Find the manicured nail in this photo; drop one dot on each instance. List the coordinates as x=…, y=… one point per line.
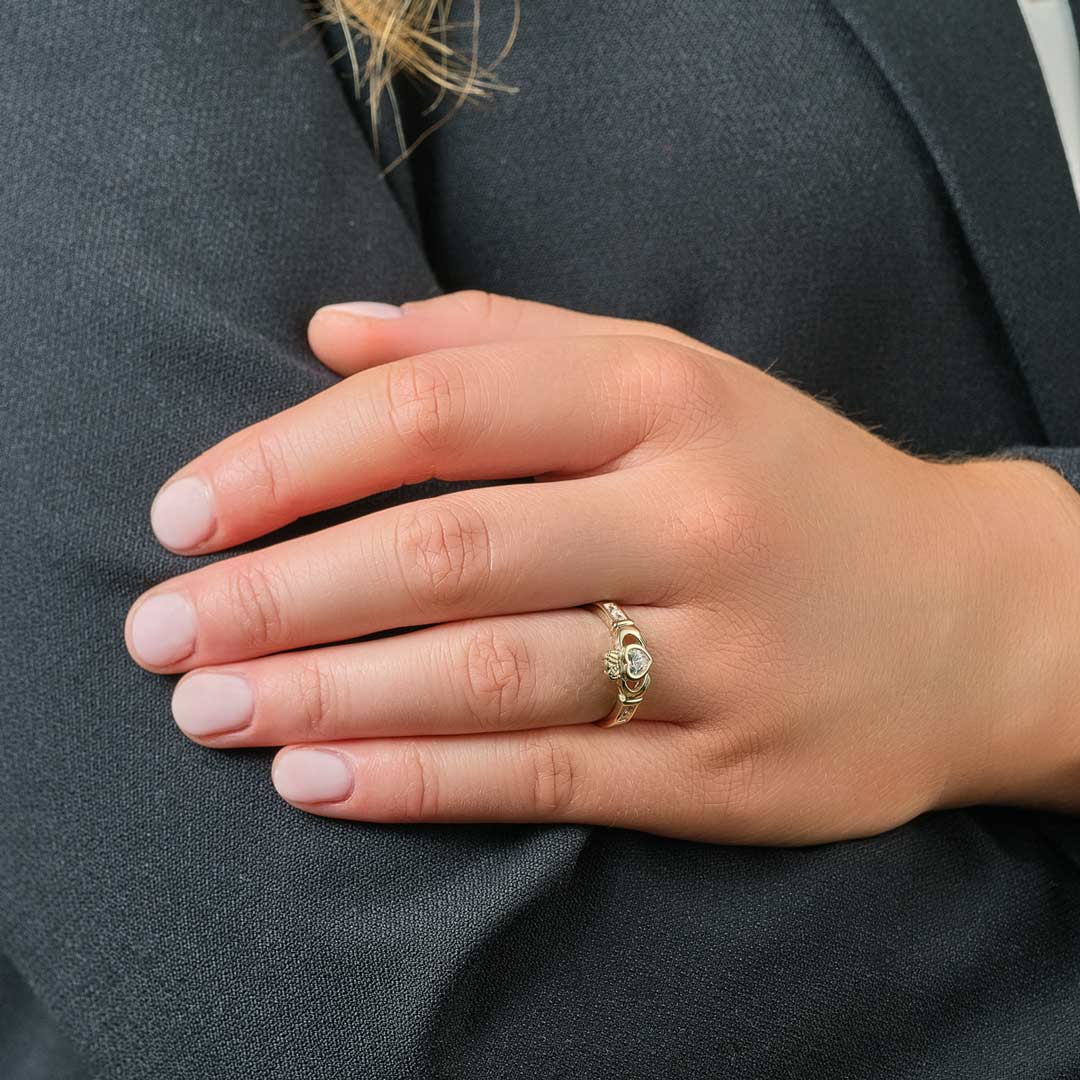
x=312, y=776
x=183, y=514
x=365, y=310
x=211, y=704
x=163, y=629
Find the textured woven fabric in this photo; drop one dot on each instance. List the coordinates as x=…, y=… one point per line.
x=180, y=185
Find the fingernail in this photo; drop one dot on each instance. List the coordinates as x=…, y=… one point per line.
x=163, y=629
x=211, y=704
x=183, y=514
x=312, y=776
x=365, y=309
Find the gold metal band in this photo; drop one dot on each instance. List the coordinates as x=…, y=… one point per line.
x=627, y=663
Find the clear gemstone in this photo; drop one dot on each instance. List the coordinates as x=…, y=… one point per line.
x=637, y=661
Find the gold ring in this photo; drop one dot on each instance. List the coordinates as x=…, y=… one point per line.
x=627, y=663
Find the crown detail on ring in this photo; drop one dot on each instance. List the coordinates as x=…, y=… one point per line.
x=613, y=664
x=631, y=662
x=628, y=663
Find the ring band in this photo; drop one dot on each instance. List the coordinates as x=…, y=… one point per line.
x=627, y=663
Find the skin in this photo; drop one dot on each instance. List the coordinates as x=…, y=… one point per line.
x=844, y=635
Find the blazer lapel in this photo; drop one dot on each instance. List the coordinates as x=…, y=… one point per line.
x=967, y=76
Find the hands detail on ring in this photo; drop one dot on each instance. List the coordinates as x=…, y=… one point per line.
x=831, y=656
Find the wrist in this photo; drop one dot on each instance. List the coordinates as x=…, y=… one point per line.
x=1019, y=542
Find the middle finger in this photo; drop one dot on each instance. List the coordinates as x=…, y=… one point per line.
x=489, y=551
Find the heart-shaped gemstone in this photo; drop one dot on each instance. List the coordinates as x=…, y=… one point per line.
x=638, y=661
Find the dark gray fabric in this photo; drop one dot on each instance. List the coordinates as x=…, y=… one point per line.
x=31, y=1045
x=179, y=187
x=964, y=79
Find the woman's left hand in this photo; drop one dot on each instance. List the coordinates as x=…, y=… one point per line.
x=844, y=635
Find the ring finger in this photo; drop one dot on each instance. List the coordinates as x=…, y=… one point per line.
x=484, y=675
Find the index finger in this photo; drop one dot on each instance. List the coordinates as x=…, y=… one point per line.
x=353, y=336
x=487, y=412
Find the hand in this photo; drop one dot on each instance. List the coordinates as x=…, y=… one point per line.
x=844, y=635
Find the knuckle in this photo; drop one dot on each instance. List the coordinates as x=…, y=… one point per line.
x=646, y=328
x=444, y=551
x=669, y=386
x=265, y=462
x=686, y=384
x=555, y=779
x=419, y=791
x=256, y=607
x=734, y=523
x=658, y=332
x=426, y=402
x=732, y=766
x=724, y=528
x=319, y=693
x=478, y=305
x=742, y=530
x=499, y=678
x=664, y=367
